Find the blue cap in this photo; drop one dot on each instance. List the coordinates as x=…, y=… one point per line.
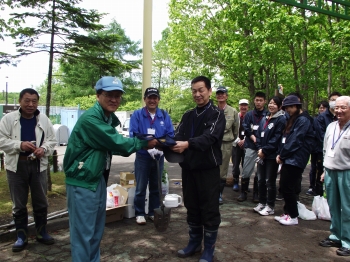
x=109, y=83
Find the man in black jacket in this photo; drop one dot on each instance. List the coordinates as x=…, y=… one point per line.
x=251, y=124
x=199, y=136
x=320, y=125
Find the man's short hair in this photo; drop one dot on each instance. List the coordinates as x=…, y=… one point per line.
x=30, y=91
x=260, y=94
x=335, y=93
x=324, y=103
x=205, y=79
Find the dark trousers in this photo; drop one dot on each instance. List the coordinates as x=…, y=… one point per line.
x=201, y=190
x=312, y=174
x=319, y=171
x=267, y=175
x=237, y=158
x=290, y=181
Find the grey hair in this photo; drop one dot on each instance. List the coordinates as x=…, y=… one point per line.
x=343, y=98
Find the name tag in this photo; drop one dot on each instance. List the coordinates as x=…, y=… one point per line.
x=283, y=140
x=151, y=131
x=330, y=153
x=255, y=127
x=262, y=134
x=242, y=133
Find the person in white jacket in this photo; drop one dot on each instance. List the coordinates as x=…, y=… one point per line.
x=27, y=137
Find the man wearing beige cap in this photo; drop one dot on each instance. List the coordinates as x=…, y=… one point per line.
x=238, y=145
x=230, y=135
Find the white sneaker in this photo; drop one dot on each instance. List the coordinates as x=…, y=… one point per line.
x=283, y=216
x=289, y=221
x=266, y=211
x=259, y=207
x=141, y=220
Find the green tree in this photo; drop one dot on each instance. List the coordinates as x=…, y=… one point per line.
x=66, y=25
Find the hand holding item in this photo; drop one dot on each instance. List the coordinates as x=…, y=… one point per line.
x=180, y=146
x=261, y=154
x=322, y=177
x=241, y=143
x=28, y=146
x=152, y=143
x=278, y=160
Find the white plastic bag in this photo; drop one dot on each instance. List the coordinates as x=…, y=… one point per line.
x=324, y=210
x=321, y=208
x=304, y=213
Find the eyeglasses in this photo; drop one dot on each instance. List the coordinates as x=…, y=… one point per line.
x=111, y=96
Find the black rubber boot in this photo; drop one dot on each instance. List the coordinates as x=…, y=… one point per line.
x=40, y=218
x=222, y=187
x=255, y=190
x=195, y=243
x=244, y=189
x=209, y=245
x=21, y=223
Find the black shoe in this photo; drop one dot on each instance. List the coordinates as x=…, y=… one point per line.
x=329, y=243
x=242, y=197
x=343, y=251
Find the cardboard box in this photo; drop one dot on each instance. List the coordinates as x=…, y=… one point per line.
x=129, y=211
x=127, y=179
x=117, y=213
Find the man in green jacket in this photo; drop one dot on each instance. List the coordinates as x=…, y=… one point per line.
x=87, y=163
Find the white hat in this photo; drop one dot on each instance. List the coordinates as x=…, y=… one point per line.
x=243, y=101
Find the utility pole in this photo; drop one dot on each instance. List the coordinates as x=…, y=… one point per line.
x=6, y=97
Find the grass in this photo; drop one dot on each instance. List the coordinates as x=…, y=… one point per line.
x=58, y=188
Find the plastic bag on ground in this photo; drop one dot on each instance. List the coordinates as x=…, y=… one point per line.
x=304, y=213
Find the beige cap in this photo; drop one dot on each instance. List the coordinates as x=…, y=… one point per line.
x=243, y=101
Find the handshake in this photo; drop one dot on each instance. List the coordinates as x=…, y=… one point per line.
x=153, y=152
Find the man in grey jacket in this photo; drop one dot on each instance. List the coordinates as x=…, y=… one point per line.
x=336, y=149
x=28, y=138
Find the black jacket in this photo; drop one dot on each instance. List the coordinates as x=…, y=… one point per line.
x=298, y=142
x=320, y=125
x=251, y=119
x=273, y=130
x=203, y=128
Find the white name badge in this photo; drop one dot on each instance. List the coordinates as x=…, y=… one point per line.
x=242, y=133
x=262, y=134
x=330, y=153
x=283, y=140
x=151, y=131
x=255, y=127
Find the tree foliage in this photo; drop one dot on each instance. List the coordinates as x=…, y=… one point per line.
x=260, y=44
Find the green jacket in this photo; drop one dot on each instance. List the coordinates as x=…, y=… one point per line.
x=90, y=141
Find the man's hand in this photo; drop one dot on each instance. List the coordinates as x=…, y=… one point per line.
x=152, y=143
x=322, y=177
x=27, y=146
x=261, y=154
x=241, y=143
x=278, y=160
x=39, y=152
x=180, y=146
x=253, y=138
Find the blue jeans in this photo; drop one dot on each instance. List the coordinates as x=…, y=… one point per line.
x=146, y=173
x=87, y=216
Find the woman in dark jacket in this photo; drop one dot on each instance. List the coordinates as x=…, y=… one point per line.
x=268, y=140
x=293, y=155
